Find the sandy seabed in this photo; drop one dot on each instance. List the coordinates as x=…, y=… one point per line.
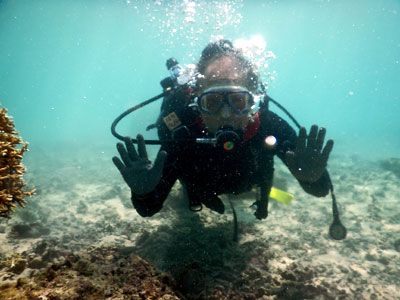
x=80, y=238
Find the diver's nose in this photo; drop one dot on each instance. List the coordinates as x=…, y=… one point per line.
x=226, y=112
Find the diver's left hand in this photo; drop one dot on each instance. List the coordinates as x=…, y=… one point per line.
x=309, y=160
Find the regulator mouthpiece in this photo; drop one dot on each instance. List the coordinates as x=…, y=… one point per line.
x=225, y=138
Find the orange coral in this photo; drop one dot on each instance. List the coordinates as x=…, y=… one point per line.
x=12, y=186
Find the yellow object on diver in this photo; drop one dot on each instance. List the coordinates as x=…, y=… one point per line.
x=281, y=196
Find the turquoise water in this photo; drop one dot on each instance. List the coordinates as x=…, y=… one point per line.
x=68, y=68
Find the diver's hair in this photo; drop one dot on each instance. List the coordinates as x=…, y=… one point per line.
x=221, y=48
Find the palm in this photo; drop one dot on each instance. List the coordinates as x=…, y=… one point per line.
x=309, y=160
x=136, y=169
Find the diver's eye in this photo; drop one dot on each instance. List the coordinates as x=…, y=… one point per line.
x=240, y=101
x=212, y=102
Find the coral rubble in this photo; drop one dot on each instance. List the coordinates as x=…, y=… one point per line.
x=100, y=273
x=119, y=273
x=391, y=164
x=12, y=148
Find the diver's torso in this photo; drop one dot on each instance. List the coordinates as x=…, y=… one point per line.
x=208, y=170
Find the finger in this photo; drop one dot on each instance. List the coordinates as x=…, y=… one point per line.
x=290, y=159
x=118, y=163
x=311, y=140
x=301, y=140
x=327, y=150
x=320, y=138
x=141, y=146
x=130, y=148
x=124, y=155
x=159, y=164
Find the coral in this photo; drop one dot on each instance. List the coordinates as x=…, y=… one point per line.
x=12, y=148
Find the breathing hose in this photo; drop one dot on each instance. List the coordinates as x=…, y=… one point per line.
x=132, y=109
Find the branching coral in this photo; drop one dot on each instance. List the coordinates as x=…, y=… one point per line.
x=12, y=148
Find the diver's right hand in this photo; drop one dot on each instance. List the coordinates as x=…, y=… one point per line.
x=136, y=169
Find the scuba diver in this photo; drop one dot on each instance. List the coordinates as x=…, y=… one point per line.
x=218, y=136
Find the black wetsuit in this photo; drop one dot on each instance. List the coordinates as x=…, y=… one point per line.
x=207, y=171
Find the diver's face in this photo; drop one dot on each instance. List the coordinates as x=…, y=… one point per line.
x=225, y=73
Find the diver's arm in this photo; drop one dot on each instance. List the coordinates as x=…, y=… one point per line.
x=319, y=188
x=287, y=145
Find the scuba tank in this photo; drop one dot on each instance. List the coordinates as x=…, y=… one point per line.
x=171, y=86
x=179, y=76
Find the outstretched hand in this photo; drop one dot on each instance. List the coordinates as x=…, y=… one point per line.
x=309, y=160
x=136, y=169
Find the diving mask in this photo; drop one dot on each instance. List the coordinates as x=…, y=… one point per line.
x=238, y=98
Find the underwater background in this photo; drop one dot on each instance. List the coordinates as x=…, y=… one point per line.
x=69, y=68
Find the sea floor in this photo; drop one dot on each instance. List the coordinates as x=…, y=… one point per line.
x=80, y=238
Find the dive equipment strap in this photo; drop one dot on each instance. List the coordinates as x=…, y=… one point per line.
x=261, y=205
x=235, y=222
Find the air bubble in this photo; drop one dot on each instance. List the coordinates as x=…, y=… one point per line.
x=255, y=50
x=204, y=16
x=189, y=20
